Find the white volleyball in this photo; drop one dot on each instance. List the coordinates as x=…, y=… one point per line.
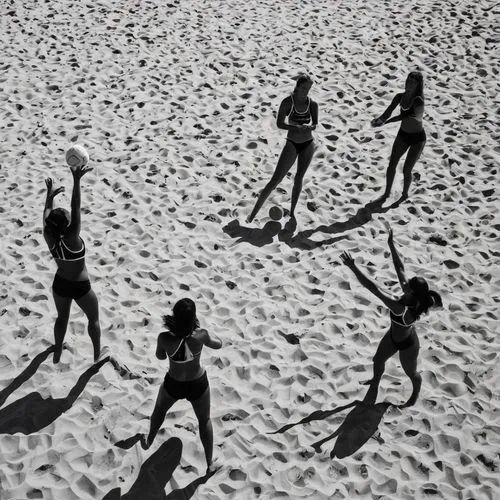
x=77, y=156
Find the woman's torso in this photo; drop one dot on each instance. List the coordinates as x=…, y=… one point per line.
x=402, y=325
x=69, y=255
x=300, y=114
x=184, y=369
x=412, y=115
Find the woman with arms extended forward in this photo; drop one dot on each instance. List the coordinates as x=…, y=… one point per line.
x=71, y=282
x=411, y=135
x=302, y=114
x=186, y=379
x=416, y=300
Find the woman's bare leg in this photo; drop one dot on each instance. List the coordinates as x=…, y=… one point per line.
x=411, y=159
x=285, y=162
x=163, y=403
x=409, y=358
x=399, y=148
x=201, y=407
x=303, y=163
x=386, y=349
x=89, y=305
x=63, y=306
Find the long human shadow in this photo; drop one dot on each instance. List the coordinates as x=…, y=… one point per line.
x=25, y=375
x=154, y=475
x=265, y=236
x=358, y=426
x=361, y=217
x=33, y=413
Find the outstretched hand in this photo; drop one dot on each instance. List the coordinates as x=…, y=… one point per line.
x=347, y=260
x=51, y=192
x=377, y=122
x=79, y=172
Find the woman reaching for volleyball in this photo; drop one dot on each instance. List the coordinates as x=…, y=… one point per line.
x=401, y=337
x=302, y=114
x=71, y=282
x=411, y=136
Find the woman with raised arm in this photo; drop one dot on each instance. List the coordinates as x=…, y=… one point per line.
x=185, y=379
x=416, y=300
x=71, y=282
x=302, y=114
x=411, y=135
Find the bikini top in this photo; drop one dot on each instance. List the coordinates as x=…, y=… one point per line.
x=185, y=355
x=399, y=319
x=298, y=118
x=61, y=251
x=415, y=111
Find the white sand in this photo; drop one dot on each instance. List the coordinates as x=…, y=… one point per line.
x=176, y=105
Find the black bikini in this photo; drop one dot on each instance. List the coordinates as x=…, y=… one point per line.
x=297, y=118
x=408, y=341
x=185, y=389
x=61, y=286
x=412, y=138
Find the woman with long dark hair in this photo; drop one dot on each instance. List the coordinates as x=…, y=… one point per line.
x=302, y=114
x=411, y=136
x=71, y=282
x=401, y=337
x=185, y=379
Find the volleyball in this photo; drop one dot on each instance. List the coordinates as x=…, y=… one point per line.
x=77, y=156
x=275, y=213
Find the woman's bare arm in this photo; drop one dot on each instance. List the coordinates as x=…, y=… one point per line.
x=391, y=303
x=283, y=112
x=398, y=263
x=384, y=117
x=211, y=341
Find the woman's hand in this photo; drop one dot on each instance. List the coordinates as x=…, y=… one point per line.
x=348, y=260
x=52, y=193
x=377, y=122
x=79, y=172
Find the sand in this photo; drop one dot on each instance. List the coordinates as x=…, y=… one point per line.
x=175, y=103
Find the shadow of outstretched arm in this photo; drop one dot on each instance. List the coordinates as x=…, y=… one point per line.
x=358, y=426
x=28, y=372
x=33, y=413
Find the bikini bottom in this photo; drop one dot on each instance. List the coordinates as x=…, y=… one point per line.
x=300, y=146
x=186, y=389
x=70, y=289
x=407, y=342
x=411, y=139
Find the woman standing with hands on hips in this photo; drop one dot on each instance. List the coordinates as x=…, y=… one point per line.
x=71, y=282
x=411, y=135
x=302, y=113
x=416, y=300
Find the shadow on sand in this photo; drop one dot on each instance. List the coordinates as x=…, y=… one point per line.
x=361, y=217
x=265, y=236
x=155, y=473
x=27, y=373
x=32, y=413
x=358, y=426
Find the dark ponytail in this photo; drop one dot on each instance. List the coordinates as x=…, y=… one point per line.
x=425, y=298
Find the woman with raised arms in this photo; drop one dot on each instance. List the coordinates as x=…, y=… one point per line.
x=401, y=337
x=71, y=282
